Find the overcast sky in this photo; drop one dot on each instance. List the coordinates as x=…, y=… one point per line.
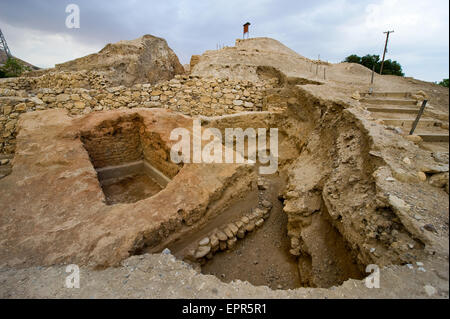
x=35, y=29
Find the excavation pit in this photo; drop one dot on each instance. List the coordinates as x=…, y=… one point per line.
x=131, y=182
x=131, y=163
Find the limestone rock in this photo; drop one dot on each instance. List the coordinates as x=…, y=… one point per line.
x=62, y=98
x=416, y=139
x=214, y=241
x=439, y=180
x=259, y=222
x=228, y=232
x=441, y=157
x=79, y=105
x=21, y=107
x=231, y=242
x=433, y=169
x=356, y=96
x=204, y=242
x=202, y=251
x=250, y=227
x=223, y=245
x=221, y=235
x=245, y=219
x=422, y=176
x=233, y=228
x=266, y=204
x=407, y=161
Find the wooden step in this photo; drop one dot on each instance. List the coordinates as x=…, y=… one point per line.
x=435, y=146
x=389, y=101
x=433, y=137
x=404, y=110
x=423, y=123
x=395, y=95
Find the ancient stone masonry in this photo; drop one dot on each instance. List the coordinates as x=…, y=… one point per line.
x=82, y=92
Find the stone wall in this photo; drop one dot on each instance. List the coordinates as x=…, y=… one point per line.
x=113, y=144
x=84, y=92
x=56, y=80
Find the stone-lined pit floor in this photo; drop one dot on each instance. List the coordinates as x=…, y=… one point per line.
x=262, y=257
x=129, y=189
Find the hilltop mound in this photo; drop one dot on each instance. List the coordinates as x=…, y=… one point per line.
x=147, y=59
x=242, y=60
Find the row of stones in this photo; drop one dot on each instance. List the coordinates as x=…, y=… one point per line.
x=226, y=237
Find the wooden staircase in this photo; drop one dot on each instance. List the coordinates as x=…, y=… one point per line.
x=400, y=110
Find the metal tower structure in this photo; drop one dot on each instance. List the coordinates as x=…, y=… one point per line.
x=4, y=45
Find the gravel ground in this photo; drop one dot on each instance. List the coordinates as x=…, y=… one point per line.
x=162, y=276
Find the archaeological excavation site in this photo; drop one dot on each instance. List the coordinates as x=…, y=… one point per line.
x=88, y=177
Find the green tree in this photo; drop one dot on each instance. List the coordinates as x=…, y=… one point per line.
x=353, y=59
x=12, y=68
x=390, y=67
x=369, y=60
x=444, y=82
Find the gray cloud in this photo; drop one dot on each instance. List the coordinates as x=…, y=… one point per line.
x=36, y=29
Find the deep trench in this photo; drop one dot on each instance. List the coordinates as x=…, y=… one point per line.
x=262, y=257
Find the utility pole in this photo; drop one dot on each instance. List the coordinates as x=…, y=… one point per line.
x=385, y=49
x=4, y=45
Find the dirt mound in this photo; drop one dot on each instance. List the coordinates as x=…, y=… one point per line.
x=147, y=59
x=241, y=61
